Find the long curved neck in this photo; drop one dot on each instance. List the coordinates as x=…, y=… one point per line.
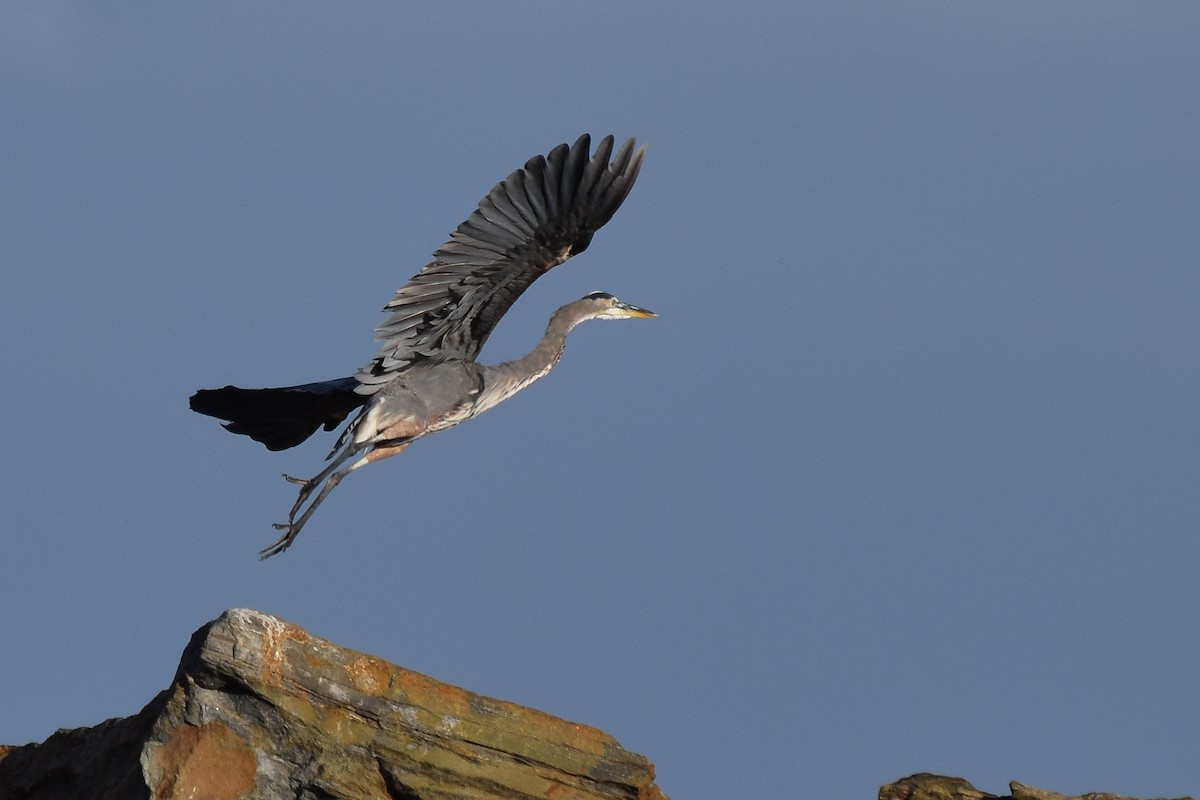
x=502, y=381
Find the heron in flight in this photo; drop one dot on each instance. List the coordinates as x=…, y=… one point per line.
x=424, y=377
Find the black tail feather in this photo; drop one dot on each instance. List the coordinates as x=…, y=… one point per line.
x=284, y=417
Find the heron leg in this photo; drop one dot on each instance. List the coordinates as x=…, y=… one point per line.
x=291, y=528
x=308, y=486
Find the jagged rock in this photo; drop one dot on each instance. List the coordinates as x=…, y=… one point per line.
x=926, y=786
x=260, y=709
x=1022, y=792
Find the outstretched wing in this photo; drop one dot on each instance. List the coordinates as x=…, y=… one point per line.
x=532, y=221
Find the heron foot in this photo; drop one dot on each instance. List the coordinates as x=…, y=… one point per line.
x=290, y=531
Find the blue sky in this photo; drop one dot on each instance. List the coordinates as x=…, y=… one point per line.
x=903, y=478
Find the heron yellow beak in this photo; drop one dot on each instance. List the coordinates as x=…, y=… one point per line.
x=635, y=312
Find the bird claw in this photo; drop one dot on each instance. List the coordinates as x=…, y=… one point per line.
x=291, y=528
x=282, y=543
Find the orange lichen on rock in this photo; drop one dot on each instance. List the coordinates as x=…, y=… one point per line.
x=370, y=675
x=208, y=761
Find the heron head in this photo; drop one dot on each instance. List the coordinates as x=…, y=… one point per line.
x=602, y=305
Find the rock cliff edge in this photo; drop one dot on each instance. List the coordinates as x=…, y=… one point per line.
x=259, y=708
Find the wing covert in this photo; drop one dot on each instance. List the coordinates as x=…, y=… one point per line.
x=529, y=223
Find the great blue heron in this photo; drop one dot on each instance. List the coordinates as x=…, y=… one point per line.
x=424, y=378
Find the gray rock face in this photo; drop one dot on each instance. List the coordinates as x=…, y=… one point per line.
x=261, y=709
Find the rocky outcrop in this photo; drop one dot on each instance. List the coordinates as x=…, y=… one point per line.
x=925, y=786
x=261, y=709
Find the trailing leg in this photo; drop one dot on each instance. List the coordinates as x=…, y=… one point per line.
x=308, y=486
x=330, y=478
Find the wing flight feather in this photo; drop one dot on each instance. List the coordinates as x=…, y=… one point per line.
x=533, y=220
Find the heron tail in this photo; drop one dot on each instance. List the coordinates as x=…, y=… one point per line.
x=284, y=417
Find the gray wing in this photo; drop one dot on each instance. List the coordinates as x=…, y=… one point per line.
x=532, y=221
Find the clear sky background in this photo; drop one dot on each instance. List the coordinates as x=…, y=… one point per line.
x=903, y=478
